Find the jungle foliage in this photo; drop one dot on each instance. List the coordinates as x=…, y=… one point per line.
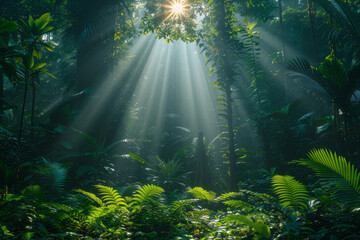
x=286, y=169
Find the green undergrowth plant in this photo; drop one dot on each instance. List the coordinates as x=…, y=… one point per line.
x=333, y=203
x=143, y=212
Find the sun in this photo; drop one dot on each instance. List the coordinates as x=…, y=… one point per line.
x=176, y=9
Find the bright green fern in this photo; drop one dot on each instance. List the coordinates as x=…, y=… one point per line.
x=340, y=178
x=290, y=192
x=202, y=194
x=146, y=193
x=110, y=196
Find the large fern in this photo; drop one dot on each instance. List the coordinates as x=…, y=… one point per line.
x=341, y=178
x=202, y=194
x=110, y=196
x=290, y=192
x=146, y=193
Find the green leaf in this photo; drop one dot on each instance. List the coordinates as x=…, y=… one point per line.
x=139, y=159
x=7, y=26
x=31, y=22
x=49, y=47
x=91, y=139
x=49, y=74
x=42, y=21
x=262, y=229
x=6, y=232
x=36, y=54
x=38, y=66
x=46, y=29
x=28, y=62
x=27, y=236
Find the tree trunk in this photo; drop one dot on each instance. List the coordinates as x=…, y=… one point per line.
x=1, y=94
x=202, y=178
x=227, y=80
x=232, y=155
x=32, y=121
x=312, y=15
x=283, y=50
x=21, y=126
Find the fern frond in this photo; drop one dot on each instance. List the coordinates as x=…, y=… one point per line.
x=202, y=194
x=180, y=206
x=55, y=175
x=58, y=206
x=236, y=204
x=290, y=192
x=91, y=196
x=228, y=195
x=110, y=196
x=340, y=176
x=96, y=214
x=147, y=192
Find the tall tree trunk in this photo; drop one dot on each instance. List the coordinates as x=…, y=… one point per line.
x=312, y=18
x=232, y=155
x=35, y=80
x=1, y=94
x=202, y=178
x=283, y=51
x=227, y=75
x=21, y=125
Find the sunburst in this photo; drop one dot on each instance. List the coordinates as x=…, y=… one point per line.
x=176, y=9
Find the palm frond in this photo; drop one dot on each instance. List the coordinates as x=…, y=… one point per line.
x=290, y=192
x=340, y=177
x=202, y=194
x=332, y=69
x=346, y=17
x=147, y=192
x=110, y=196
x=303, y=67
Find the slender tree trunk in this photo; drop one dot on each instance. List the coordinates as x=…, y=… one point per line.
x=232, y=155
x=1, y=94
x=202, y=178
x=283, y=51
x=227, y=74
x=312, y=18
x=21, y=126
x=35, y=80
